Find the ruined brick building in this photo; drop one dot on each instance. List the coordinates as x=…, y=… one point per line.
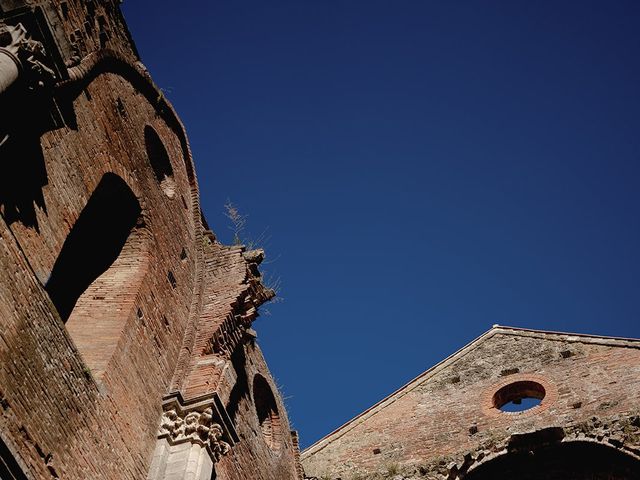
x=126, y=346
x=513, y=404
x=126, y=341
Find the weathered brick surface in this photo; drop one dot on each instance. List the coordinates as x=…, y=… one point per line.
x=84, y=400
x=252, y=457
x=448, y=412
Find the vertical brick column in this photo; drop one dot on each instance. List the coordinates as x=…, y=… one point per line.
x=296, y=449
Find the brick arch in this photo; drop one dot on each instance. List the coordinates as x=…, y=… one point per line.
x=117, y=169
x=134, y=72
x=111, y=61
x=566, y=460
x=166, y=125
x=100, y=268
x=267, y=412
x=160, y=161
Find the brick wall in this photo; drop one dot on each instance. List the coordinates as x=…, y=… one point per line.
x=255, y=457
x=84, y=400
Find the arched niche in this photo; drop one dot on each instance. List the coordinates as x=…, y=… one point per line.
x=99, y=270
x=576, y=460
x=267, y=412
x=160, y=161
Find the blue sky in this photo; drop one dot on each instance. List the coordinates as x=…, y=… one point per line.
x=422, y=170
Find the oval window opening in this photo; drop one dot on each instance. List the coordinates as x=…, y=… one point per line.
x=519, y=396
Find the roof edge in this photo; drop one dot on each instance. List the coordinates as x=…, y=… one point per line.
x=570, y=334
x=495, y=329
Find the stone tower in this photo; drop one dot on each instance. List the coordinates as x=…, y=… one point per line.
x=126, y=347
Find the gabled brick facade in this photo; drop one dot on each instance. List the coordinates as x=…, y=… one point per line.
x=448, y=422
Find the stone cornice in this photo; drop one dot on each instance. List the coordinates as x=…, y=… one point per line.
x=237, y=325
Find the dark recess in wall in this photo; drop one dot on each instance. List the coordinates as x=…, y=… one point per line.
x=94, y=243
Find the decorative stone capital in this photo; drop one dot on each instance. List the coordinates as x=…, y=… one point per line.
x=195, y=427
x=29, y=55
x=203, y=422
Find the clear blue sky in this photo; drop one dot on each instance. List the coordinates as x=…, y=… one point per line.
x=425, y=169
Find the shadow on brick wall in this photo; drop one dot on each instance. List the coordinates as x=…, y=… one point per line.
x=23, y=172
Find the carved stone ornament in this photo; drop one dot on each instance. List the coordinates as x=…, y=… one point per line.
x=203, y=421
x=28, y=54
x=195, y=427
